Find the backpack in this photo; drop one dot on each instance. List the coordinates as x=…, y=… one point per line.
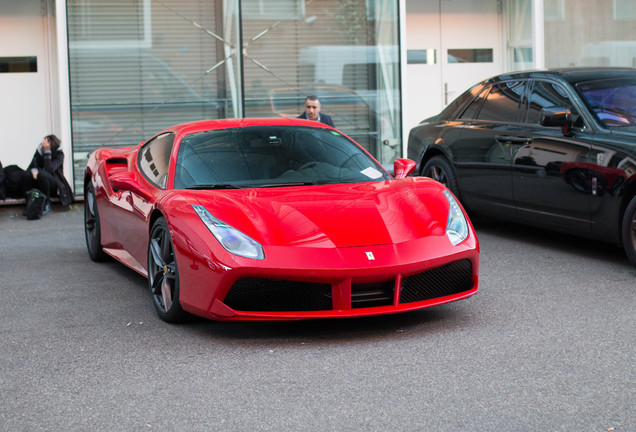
x=35, y=201
x=12, y=178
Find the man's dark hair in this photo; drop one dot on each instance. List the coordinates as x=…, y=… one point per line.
x=54, y=141
x=312, y=98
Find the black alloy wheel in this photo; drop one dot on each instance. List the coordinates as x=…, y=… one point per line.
x=92, y=229
x=163, y=274
x=438, y=168
x=628, y=231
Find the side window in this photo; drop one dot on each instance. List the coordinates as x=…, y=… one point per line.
x=154, y=159
x=473, y=108
x=547, y=94
x=503, y=102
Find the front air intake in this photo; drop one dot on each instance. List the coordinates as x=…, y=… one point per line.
x=274, y=295
x=443, y=281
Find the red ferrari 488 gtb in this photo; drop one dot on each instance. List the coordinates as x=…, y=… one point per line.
x=276, y=219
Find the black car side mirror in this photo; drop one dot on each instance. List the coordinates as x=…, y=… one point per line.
x=558, y=116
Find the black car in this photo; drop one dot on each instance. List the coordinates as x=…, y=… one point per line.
x=554, y=148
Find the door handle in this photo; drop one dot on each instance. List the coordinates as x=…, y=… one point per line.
x=445, y=93
x=511, y=139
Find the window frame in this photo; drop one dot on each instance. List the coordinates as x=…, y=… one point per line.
x=144, y=41
x=571, y=99
x=483, y=96
x=166, y=153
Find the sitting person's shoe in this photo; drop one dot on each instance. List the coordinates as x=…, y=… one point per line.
x=47, y=208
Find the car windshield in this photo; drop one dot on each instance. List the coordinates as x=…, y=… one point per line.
x=613, y=101
x=271, y=156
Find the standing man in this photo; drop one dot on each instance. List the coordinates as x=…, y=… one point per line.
x=312, y=111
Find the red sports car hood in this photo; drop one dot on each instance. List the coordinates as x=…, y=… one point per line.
x=365, y=214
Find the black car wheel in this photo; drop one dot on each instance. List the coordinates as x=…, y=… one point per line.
x=163, y=274
x=92, y=228
x=629, y=231
x=438, y=168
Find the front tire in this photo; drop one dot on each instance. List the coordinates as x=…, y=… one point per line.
x=92, y=227
x=628, y=231
x=163, y=274
x=438, y=168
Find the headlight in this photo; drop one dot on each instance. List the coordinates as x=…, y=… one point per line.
x=457, y=227
x=230, y=238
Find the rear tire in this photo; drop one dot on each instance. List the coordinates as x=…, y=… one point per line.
x=92, y=227
x=628, y=231
x=438, y=168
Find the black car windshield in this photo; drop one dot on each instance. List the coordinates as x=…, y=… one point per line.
x=613, y=101
x=271, y=156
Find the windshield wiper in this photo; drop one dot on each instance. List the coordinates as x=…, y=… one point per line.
x=214, y=186
x=299, y=183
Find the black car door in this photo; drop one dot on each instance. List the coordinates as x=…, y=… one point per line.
x=483, y=153
x=549, y=170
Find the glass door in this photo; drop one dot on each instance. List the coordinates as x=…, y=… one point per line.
x=345, y=53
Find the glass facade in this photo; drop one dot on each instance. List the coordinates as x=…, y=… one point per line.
x=590, y=33
x=138, y=66
x=518, y=26
x=575, y=33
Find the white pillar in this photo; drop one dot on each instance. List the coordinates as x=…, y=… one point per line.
x=402, y=32
x=538, y=34
x=63, y=90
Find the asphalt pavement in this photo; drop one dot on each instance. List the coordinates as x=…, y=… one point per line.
x=547, y=344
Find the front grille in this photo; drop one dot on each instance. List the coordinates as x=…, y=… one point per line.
x=447, y=280
x=272, y=295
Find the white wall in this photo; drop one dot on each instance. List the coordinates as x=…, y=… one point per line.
x=24, y=113
x=30, y=107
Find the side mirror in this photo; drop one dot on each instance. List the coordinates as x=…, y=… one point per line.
x=557, y=116
x=127, y=181
x=403, y=167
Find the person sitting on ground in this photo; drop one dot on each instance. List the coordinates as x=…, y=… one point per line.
x=312, y=111
x=45, y=172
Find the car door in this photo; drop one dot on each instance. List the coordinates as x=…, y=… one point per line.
x=550, y=170
x=153, y=164
x=483, y=153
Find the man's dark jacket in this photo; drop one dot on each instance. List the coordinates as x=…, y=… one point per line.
x=52, y=162
x=322, y=118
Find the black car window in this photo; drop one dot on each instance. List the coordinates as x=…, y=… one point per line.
x=154, y=159
x=613, y=101
x=548, y=94
x=503, y=102
x=473, y=108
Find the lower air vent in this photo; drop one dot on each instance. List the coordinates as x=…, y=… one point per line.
x=450, y=279
x=271, y=295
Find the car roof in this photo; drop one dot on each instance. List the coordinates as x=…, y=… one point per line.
x=571, y=75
